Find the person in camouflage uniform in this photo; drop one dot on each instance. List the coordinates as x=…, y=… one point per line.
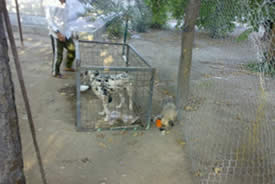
x=60, y=37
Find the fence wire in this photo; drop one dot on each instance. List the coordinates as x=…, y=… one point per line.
x=111, y=59
x=229, y=120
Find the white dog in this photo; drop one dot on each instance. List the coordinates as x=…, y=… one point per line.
x=168, y=115
x=105, y=86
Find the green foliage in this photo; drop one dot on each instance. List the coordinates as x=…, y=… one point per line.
x=115, y=28
x=264, y=67
x=177, y=7
x=244, y=35
x=217, y=17
x=257, y=12
x=159, y=10
x=140, y=16
x=140, y=24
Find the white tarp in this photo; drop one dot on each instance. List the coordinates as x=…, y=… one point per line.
x=76, y=21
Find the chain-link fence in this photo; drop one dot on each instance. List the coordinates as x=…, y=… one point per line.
x=229, y=120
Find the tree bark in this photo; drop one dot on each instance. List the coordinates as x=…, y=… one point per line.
x=271, y=50
x=184, y=71
x=11, y=161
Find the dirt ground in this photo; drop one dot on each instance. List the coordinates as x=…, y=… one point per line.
x=131, y=157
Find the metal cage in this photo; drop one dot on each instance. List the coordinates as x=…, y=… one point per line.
x=109, y=58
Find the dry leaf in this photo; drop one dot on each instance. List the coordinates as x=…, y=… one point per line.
x=108, y=60
x=103, y=53
x=100, y=136
x=238, y=117
x=218, y=103
x=207, y=76
x=188, y=108
x=102, y=145
x=99, y=11
x=217, y=170
x=110, y=140
x=181, y=142
x=123, y=132
x=165, y=92
x=138, y=134
x=90, y=37
x=198, y=173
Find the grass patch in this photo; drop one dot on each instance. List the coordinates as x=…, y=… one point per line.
x=266, y=68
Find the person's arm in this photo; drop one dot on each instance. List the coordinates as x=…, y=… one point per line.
x=49, y=17
x=52, y=26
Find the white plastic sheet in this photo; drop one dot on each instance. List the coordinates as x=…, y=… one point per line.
x=76, y=21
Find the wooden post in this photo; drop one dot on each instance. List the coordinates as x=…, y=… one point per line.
x=23, y=89
x=184, y=71
x=11, y=160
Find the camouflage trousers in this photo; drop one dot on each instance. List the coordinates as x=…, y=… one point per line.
x=58, y=48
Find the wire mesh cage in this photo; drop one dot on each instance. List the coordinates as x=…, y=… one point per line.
x=119, y=87
x=229, y=126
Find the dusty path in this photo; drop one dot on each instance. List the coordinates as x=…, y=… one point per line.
x=230, y=116
x=127, y=157
x=71, y=157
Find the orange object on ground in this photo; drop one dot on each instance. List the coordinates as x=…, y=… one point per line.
x=158, y=123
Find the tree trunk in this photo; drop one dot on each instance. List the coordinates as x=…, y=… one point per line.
x=11, y=162
x=271, y=49
x=192, y=12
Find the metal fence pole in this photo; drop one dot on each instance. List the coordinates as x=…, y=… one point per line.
x=19, y=23
x=78, y=62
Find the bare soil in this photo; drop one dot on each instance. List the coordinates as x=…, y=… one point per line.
x=130, y=157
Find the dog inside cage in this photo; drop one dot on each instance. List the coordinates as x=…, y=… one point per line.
x=115, y=88
x=111, y=88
